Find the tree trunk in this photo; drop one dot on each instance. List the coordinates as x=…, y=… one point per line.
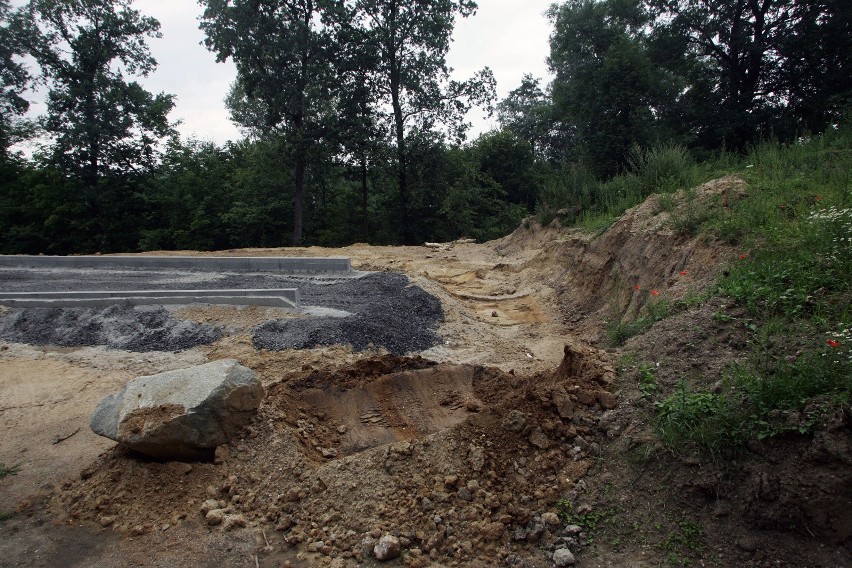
x=298, y=195
x=364, y=199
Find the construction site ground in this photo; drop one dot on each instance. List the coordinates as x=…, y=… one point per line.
x=516, y=433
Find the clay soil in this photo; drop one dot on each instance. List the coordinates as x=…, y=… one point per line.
x=522, y=433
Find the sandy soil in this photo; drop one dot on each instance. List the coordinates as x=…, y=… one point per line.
x=465, y=454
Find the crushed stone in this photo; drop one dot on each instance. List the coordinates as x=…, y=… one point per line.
x=363, y=310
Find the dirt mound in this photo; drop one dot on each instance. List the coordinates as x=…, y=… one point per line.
x=609, y=276
x=459, y=461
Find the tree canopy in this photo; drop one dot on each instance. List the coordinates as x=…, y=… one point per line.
x=355, y=128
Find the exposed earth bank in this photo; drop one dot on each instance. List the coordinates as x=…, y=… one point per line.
x=508, y=441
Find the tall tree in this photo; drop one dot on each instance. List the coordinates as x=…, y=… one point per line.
x=14, y=78
x=412, y=38
x=772, y=60
x=281, y=50
x=606, y=85
x=527, y=113
x=102, y=124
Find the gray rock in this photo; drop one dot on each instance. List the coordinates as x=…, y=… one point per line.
x=563, y=557
x=515, y=421
x=387, y=548
x=181, y=414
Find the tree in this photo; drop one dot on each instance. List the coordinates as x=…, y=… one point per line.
x=102, y=124
x=412, y=38
x=527, y=113
x=283, y=60
x=777, y=64
x=14, y=79
x=606, y=85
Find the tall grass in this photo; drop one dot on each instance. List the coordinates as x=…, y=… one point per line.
x=577, y=196
x=792, y=272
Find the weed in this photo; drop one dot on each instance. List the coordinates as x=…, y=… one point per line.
x=588, y=520
x=711, y=422
x=648, y=385
x=8, y=470
x=6, y=516
x=683, y=541
x=620, y=331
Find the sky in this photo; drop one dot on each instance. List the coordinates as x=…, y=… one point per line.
x=509, y=36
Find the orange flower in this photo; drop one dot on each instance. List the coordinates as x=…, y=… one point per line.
x=817, y=198
x=742, y=257
x=833, y=343
x=683, y=272
x=655, y=293
x=637, y=288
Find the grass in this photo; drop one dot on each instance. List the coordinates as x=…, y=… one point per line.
x=8, y=470
x=793, y=275
x=620, y=330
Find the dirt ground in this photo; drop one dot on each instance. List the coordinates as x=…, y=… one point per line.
x=514, y=438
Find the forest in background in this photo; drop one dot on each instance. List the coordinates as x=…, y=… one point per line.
x=355, y=132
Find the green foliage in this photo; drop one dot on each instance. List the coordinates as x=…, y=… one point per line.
x=8, y=470
x=619, y=330
x=711, y=422
x=648, y=385
x=589, y=520
x=104, y=128
x=14, y=80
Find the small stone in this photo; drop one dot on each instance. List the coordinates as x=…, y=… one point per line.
x=572, y=530
x=606, y=400
x=515, y=421
x=328, y=453
x=476, y=457
x=564, y=405
x=426, y=504
x=221, y=455
x=342, y=429
x=563, y=557
x=465, y=494
x=747, y=544
x=234, y=521
x=539, y=439
x=551, y=519
x=209, y=505
x=137, y=530
x=472, y=405
x=215, y=517
x=387, y=548
x=494, y=314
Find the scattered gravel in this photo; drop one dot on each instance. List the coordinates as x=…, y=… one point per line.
x=120, y=326
x=382, y=310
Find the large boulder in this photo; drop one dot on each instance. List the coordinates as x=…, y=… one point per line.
x=181, y=414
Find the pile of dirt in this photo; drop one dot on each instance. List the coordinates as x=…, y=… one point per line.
x=609, y=276
x=459, y=462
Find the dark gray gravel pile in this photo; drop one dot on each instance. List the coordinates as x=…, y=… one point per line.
x=120, y=326
x=386, y=311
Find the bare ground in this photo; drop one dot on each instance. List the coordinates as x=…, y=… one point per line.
x=464, y=451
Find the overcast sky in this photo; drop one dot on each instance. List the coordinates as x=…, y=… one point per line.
x=510, y=36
